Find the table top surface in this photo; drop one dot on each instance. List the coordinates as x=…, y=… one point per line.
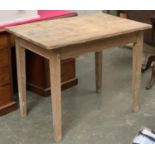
x=59, y=33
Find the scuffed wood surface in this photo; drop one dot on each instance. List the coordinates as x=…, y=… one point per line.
x=63, y=32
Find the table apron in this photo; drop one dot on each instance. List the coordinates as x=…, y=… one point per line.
x=76, y=50
x=96, y=45
x=34, y=48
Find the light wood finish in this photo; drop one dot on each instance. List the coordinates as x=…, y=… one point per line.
x=73, y=37
x=75, y=30
x=55, y=76
x=96, y=45
x=21, y=74
x=36, y=49
x=136, y=74
x=98, y=70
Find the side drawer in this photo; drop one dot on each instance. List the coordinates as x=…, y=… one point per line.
x=5, y=94
x=4, y=57
x=4, y=75
x=67, y=69
x=4, y=40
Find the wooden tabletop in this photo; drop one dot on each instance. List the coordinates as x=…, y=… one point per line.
x=58, y=33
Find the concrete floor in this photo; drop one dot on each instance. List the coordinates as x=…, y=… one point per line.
x=88, y=117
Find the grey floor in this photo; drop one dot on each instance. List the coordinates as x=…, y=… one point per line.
x=88, y=117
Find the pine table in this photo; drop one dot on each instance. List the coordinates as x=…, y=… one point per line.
x=71, y=37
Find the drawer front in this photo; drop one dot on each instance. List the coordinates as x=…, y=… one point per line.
x=4, y=57
x=5, y=94
x=4, y=40
x=4, y=76
x=12, y=38
x=67, y=69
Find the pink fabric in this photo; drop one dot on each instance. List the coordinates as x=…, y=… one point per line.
x=44, y=15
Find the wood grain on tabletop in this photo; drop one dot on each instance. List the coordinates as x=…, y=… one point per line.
x=62, y=32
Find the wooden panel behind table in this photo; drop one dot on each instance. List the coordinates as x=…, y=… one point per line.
x=38, y=74
x=7, y=103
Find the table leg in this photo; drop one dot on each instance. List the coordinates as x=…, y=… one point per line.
x=55, y=78
x=136, y=75
x=21, y=73
x=98, y=70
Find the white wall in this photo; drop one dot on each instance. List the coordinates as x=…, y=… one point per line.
x=9, y=16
